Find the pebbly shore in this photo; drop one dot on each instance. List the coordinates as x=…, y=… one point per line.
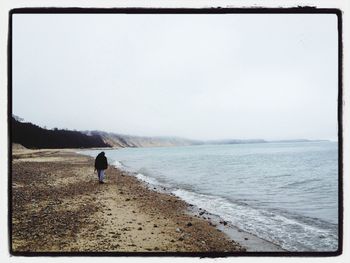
x=59, y=206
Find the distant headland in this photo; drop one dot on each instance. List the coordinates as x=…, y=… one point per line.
x=35, y=137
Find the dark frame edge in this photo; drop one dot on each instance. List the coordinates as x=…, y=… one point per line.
x=213, y=10
x=9, y=128
x=338, y=13
x=177, y=254
x=151, y=10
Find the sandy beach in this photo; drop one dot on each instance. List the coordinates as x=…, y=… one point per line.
x=59, y=206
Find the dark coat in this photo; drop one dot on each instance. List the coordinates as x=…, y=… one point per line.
x=101, y=162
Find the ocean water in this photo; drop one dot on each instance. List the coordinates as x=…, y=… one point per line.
x=285, y=193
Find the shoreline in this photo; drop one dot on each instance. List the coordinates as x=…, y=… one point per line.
x=58, y=206
x=250, y=242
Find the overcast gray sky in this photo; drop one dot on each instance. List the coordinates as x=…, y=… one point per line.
x=233, y=76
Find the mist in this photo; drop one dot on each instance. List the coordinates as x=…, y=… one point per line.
x=233, y=76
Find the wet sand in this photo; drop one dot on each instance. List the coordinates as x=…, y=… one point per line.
x=59, y=206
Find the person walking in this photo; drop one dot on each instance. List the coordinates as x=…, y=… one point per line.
x=101, y=165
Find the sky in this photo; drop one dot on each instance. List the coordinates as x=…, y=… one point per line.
x=233, y=76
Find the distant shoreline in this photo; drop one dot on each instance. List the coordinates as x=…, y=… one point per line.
x=204, y=144
x=208, y=144
x=35, y=137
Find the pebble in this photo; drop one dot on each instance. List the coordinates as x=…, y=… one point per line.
x=223, y=222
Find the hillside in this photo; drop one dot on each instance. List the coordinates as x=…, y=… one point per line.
x=34, y=137
x=118, y=140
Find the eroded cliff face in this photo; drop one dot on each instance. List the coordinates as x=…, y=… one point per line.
x=116, y=140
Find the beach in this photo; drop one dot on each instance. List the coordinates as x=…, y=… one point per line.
x=59, y=206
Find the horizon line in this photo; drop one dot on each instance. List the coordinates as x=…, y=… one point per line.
x=17, y=118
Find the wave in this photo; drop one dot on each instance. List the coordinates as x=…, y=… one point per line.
x=119, y=165
x=289, y=232
x=283, y=230
x=148, y=179
x=298, y=183
x=278, y=175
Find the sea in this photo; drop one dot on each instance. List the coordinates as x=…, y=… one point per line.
x=284, y=193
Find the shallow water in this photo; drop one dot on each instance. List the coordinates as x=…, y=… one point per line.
x=286, y=193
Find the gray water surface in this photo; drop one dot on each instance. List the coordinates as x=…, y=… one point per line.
x=286, y=193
